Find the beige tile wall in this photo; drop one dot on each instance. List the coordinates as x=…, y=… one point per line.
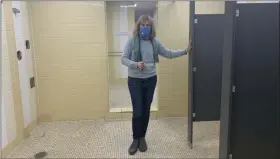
x=71, y=59
x=8, y=123
x=25, y=66
x=173, y=32
x=14, y=130
x=71, y=56
x=34, y=97
x=209, y=7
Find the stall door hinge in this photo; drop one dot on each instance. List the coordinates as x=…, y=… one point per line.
x=230, y=156
x=194, y=69
x=237, y=13
x=193, y=115
x=32, y=82
x=233, y=88
x=195, y=21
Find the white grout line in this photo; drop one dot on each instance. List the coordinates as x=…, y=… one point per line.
x=128, y=109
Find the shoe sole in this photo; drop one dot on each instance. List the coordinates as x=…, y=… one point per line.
x=132, y=153
x=143, y=150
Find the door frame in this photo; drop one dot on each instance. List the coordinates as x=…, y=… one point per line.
x=227, y=77
x=190, y=75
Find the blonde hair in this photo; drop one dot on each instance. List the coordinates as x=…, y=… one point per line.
x=142, y=19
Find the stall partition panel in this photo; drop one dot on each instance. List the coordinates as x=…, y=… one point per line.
x=255, y=119
x=207, y=66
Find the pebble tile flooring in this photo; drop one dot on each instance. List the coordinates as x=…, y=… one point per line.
x=167, y=138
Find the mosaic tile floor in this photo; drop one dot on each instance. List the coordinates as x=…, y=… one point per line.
x=167, y=138
x=120, y=97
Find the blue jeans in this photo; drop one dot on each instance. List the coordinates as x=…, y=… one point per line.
x=141, y=93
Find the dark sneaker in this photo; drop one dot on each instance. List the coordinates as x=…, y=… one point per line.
x=142, y=145
x=133, y=147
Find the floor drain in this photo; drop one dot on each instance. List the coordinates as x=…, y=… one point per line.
x=40, y=155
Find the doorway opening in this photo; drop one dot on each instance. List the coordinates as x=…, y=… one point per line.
x=121, y=18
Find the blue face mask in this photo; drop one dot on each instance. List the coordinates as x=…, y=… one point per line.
x=145, y=31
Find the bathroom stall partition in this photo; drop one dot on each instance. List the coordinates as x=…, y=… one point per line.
x=250, y=83
x=205, y=68
x=239, y=83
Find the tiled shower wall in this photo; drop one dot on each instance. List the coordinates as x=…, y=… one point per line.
x=8, y=122
x=13, y=129
x=25, y=65
x=12, y=126
x=71, y=59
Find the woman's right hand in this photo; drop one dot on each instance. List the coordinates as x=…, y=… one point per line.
x=140, y=65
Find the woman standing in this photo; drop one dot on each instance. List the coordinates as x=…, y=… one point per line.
x=140, y=56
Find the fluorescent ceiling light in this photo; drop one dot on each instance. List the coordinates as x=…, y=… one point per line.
x=129, y=6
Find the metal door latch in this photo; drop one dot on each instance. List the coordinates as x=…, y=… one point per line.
x=237, y=13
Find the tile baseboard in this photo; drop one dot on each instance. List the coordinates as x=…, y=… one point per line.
x=129, y=109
